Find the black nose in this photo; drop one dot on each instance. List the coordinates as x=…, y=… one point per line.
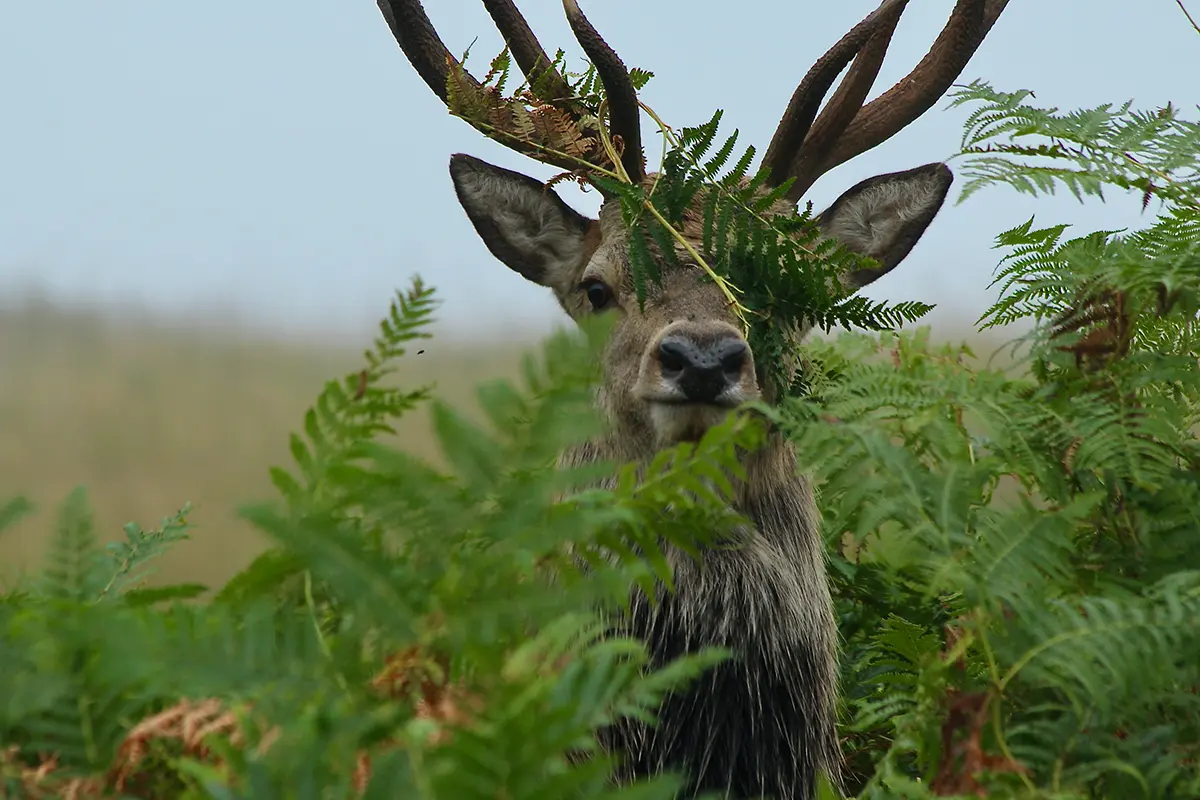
x=702, y=372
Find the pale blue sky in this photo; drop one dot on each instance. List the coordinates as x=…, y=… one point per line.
x=284, y=160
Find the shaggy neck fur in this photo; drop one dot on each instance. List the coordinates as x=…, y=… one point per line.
x=761, y=723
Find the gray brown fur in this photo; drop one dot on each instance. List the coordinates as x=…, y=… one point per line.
x=763, y=723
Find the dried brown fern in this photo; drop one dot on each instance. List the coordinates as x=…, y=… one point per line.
x=190, y=727
x=1106, y=321
x=563, y=133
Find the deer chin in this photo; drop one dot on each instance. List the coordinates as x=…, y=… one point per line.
x=675, y=422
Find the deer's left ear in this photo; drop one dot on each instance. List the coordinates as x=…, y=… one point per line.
x=884, y=216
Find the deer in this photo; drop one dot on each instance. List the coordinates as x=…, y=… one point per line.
x=763, y=722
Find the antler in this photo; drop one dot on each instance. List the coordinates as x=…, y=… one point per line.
x=806, y=146
x=623, y=112
x=438, y=67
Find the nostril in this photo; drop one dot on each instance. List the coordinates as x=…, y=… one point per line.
x=672, y=357
x=733, y=356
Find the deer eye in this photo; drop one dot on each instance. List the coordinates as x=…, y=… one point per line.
x=598, y=293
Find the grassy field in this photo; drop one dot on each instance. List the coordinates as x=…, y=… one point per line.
x=147, y=417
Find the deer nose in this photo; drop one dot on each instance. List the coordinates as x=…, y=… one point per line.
x=702, y=372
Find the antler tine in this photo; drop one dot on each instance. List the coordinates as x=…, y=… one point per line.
x=843, y=105
x=912, y=96
x=527, y=51
x=434, y=63
x=421, y=43
x=802, y=109
x=623, y=111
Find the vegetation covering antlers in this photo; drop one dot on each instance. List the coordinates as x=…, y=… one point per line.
x=742, y=230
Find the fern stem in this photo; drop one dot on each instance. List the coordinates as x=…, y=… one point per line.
x=1002, y=741
x=997, y=701
x=722, y=283
x=716, y=185
x=584, y=163
x=88, y=728
x=311, y=604
x=610, y=150
x=1052, y=642
x=1163, y=176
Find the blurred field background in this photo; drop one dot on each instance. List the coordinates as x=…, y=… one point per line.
x=148, y=415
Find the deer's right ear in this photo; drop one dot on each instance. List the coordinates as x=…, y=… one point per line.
x=524, y=223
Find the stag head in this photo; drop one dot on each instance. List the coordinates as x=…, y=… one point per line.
x=678, y=362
